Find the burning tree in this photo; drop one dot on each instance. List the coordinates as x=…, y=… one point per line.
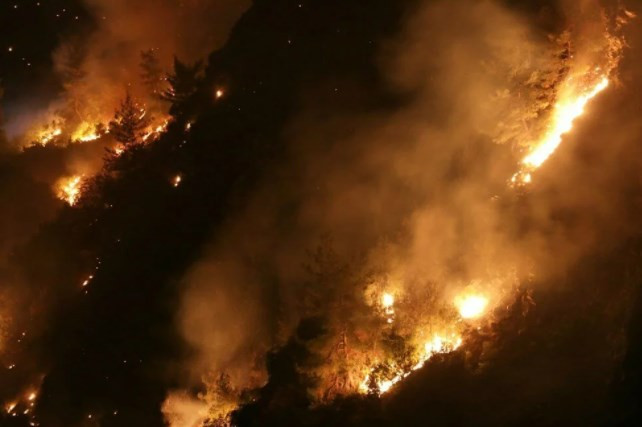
x=129, y=123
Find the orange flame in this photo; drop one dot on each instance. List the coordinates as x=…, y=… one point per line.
x=567, y=110
x=69, y=189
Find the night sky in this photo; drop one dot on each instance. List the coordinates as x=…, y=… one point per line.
x=301, y=213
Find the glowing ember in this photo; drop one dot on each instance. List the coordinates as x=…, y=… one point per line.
x=69, y=189
x=219, y=93
x=11, y=406
x=177, y=180
x=87, y=280
x=566, y=111
x=471, y=306
x=32, y=396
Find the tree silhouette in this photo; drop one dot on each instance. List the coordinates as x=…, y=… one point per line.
x=129, y=122
x=151, y=72
x=183, y=83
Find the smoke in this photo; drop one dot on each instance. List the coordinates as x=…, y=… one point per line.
x=421, y=191
x=99, y=69
x=181, y=410
x=96, y=68
x=223, y=296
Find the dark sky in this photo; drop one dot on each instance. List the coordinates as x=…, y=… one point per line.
x=31, y=30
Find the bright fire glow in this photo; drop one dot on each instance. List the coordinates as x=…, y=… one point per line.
x=567, y=110
x=155, y=132
x=387, y=300
x=177, y=180
x=47, y=135
x=219, y=93
x=471, y=306
x=11, y=406
x=85, y=133
x=438, y=345
x=69, y=189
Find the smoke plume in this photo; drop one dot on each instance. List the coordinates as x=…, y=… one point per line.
x=419, y=194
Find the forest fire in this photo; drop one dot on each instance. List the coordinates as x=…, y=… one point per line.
x=383, y=376
x=387, y=302
x=87, y=132
x=438, y=344
x=319, y=222
x=471, y=306
x=155, y=131
x=569, y=107
x=68, y=189
x=47, y=135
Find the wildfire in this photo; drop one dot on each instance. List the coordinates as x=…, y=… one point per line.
x=11, y=406
x=387, y=303
x=47, y=135
x=87, y=132
x=437, y=345
x=155, y=132
x=69, y=189
x=566, y=111
x=24, y=404
x=471, y=306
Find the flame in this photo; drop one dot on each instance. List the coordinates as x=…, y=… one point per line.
x=566, y=111
x=219, y=93
x=387, y=301
x=86, y=132
x=47, y=135
x=471, y=306
x=442, y=345
x=177, y=180
x=437, y=345
x=155, y=132
x=69, y=189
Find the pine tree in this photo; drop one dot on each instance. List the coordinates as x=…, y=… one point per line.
x=151, y=72
x=129, y=122
x=183, y=83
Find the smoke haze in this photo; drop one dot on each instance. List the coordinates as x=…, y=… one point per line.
x=421, y=192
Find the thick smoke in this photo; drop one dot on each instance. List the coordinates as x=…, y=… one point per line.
x=421, y=193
